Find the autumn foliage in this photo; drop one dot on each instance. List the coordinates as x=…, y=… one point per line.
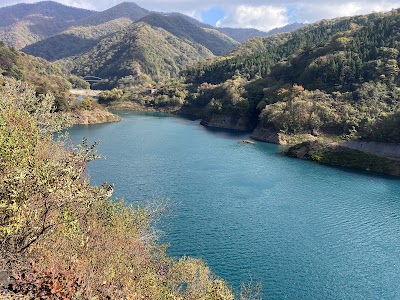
x=62, y=238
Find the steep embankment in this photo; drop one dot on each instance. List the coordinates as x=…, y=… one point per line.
x=226, y=122
x=343, y=156
x=88, y=111
x=95, y=116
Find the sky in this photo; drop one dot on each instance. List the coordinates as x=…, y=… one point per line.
x=261, y=14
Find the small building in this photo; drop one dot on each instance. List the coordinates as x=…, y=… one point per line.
x=152, y=91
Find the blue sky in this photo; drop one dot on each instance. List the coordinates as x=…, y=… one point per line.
x=213, y=15
x=261, y=14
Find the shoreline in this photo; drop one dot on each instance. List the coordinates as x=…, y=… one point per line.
x=376, y=153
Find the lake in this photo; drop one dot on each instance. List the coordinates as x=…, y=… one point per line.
x=304, y=231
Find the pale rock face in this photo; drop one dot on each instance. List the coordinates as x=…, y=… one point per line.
x=381, y=149
x=96, y=116
x=225, y=122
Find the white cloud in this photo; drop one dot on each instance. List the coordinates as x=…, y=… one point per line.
x=263, y=17
x=309, y=12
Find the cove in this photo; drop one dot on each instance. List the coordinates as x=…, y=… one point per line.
x=303, y=230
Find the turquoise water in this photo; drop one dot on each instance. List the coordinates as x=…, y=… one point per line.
x=303, y=230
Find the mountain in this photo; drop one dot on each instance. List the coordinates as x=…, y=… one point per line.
x=140, y=49
x=79, y=39
x=24, y=24
x=287, y=28
x=172, y=43
x=336, y=77
x=127, y=10
x=183, y=28
x=241, y=34
x=257, y=55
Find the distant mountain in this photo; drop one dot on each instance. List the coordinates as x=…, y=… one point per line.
x=183, y=28
x=79, y=40
x=127, y=10
x=241, y=34
x=89, y=34
x=24, y=24
x=140, y=49
x=287, y=28
x=177, y=41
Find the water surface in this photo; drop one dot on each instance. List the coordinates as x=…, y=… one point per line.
x=303, y=230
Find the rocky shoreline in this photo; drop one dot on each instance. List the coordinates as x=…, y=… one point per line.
x=340, y=155
x=364, y=155
x=133, y=106
x=225, y=122
x=356, y=154
x=95, y=116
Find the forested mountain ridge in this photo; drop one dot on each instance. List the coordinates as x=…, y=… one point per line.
x=84, y=37
x=24, y=24
x=140, y=53
x=129, y=10
x=84, y=34
x=256, y=56
x=79, y=39
x=336, y=77
x=182, y=28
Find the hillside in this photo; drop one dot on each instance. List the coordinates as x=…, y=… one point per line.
x=128, y=10
x=44, y=76
x=24, y=24
x=256, y=56
x=83, y=38
x=79, y=39
x=62, y=238
x=139, y=52
x=179, y=26
x=335, y=77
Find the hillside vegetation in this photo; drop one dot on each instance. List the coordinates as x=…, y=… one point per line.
x=335, y=77
x=60, y=237
x=179, y=26
x=24, y=24
x=47, y=78
x=142, y=53
x=80, y=40
x=128, y=10
x=51, y=81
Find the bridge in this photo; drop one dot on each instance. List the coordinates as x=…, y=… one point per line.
x=92, y=79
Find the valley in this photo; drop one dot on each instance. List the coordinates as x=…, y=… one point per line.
x=235, y=128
